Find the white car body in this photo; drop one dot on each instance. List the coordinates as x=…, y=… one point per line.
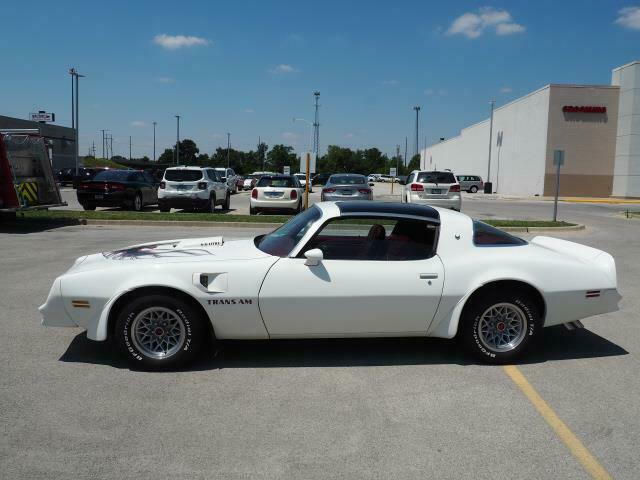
x=302, y=178
x=276, y=197
x=433, y=194
x=250, y=294
x=229, y=177
x=183, y=194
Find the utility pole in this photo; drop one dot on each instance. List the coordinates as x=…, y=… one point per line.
x=73, y=107
x=488, y=186
x=260, y=152
x=103, y=144
x=178, y=140
x=417, y=109
x=129, y=147
x=316, y=127
x=228, y=147
x=406, y=145
x=397, y=159
x=93, y=148
x=154, y=141
x=111, y=145
x=75, y=75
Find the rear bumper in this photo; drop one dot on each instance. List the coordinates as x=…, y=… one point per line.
x=454, y=202
x=275, y=204
x=332, y=197
x=183, y=202
x=109, y=199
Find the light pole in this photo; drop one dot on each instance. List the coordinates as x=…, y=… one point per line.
x=316, y=126
x=488, y=187
x=178, y=140
x=417, y=109
x=154, y=141
x=74, y=74
x=311, y=129
x=228, y=147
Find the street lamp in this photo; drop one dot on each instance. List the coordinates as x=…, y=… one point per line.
x=228, y=148
x=75, y=75
x=178, y=140
x=417, y=109
x=311, y=125
x=154, y=141
x=488, y=186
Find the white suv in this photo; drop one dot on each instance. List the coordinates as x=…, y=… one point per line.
x=228, y=176
x=438, y=189
x=192, y=188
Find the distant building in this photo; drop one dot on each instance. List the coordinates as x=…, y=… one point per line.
x=598, y=127
x=62, y=140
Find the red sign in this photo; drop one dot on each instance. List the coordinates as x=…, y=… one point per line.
x=583, y=109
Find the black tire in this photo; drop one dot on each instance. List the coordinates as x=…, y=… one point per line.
x=137, y=203
x=227, y=202
x=473, y=189
x=88, y=206
x=211, y=206
x=477, y=329
x=165, y=208
x=180, y=316
x=299, y=207
x=253, y=211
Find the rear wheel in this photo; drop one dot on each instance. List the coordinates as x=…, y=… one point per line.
x=473, y=189
x=227, y=201
x=157, y=332
x=498, y=327
x=137, y=202
x=253, y=211
x=211, y=206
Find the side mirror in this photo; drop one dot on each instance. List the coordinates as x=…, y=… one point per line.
x=313, y=257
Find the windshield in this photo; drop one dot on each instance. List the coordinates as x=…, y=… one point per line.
x=183, y=175
x=280, y=242
x=346, y=180
x=286, y=182
x=110, y=175
x=436, y=177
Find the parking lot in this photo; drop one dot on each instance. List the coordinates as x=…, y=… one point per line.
x=387, y=408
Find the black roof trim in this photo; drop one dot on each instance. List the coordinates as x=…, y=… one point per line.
x=389, y=208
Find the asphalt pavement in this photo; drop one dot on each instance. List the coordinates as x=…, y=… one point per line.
x=384, y=408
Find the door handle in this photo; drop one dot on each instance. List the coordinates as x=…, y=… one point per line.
x=428, y=276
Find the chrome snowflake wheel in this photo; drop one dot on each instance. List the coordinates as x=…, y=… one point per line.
x=502, y=327
x=158, y=332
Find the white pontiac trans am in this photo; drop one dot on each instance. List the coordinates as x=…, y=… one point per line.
x=339, y=269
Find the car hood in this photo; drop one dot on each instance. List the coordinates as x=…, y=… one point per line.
x=172, y=251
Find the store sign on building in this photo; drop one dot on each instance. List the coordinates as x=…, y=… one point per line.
x=583, y=109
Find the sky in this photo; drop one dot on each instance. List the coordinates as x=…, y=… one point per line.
x=249, y=68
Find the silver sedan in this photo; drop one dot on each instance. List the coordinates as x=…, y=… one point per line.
x=346, y=186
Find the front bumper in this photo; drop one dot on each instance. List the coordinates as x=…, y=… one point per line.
x=53, y=311
x=454, y=202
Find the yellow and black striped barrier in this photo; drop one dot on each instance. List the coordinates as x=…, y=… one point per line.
x=29, y=192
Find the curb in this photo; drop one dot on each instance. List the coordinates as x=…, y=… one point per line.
x=178, y=223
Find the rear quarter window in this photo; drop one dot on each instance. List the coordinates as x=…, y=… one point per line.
x=485, y=236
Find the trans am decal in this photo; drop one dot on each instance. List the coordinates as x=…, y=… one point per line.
x=230, y=301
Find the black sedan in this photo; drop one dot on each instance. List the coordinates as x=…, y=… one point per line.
x=128, y=189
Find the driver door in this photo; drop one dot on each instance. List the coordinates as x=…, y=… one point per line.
x=364, y=286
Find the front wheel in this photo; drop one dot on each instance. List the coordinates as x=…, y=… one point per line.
x=211, y=206
x=157, y=332
x=474, y=189
x=498, y=327
x=227, y=201
x=137, y=203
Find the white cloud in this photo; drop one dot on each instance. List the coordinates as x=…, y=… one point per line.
x=349, y=135
x=165, y=80
x=248, y=110
x=430, y=92
x=174, y=42
x=629, y=17
x=289, y=136
x=138, y=123
x=217, y=135
x=473, y=24
x=390, y=82
x=284, y=68
x=505, y=90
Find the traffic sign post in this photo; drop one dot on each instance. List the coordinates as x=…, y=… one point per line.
x=286, y=170
x=558, y=161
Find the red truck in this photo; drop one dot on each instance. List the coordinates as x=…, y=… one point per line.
x=26, y=177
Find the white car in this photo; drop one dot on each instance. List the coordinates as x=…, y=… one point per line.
x=276, y=193
x=438, y=189
x=302, y=178
x=339, y=269
x=229, y=177
x=192, y=188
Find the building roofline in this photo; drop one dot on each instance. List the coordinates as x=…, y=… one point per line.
x=626, y=65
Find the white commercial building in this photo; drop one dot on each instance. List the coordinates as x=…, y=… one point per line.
x=597, y=126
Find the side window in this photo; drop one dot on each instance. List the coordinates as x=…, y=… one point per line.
x=137, y=177
x=487, y=236
x=411, y=177
x=388, y=239
x=214, y=175
x=230, y=173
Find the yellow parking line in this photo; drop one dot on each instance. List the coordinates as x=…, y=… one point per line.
x=576, y=447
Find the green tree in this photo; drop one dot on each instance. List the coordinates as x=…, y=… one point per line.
x=280, y=156
x=167, y=156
